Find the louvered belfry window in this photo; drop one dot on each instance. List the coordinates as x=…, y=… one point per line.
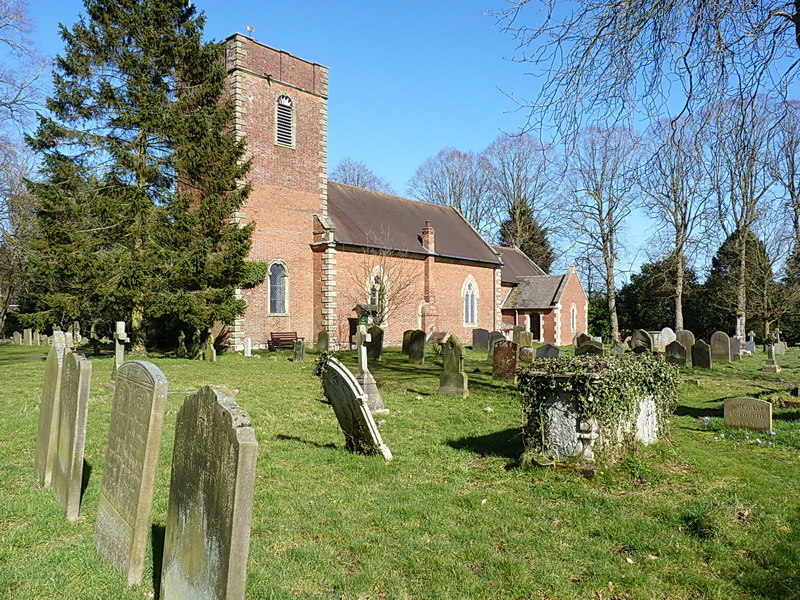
x=284, y=131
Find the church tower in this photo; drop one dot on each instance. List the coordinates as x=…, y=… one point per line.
x=281, y=109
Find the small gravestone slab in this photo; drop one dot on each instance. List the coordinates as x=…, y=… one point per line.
x=375, y=344
x=590, y=347
x=641, y=341
x=248, y=347
x=617, y=349
x=350, y=406
x=47, y=434
x=525, y=354
x=581, y=339
x=76, y=377
x=480, y=339
x=27, y=337
x=548, y=351
x=406, y=340
x=665, y=336
x=323, y=341
x=720, y=347
x=129, y=471
x=504, y=364
x=525, y=339
x=494, y=337
x=675, y=353
x=748, y=413
x=17, y=338
x=453, y=381
x=207, y=536
x=701, y=355
x=416, y=347
x=299, y=351
x=686, y=337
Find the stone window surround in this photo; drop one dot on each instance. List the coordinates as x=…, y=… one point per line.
x=286, y=304
x=465, y=289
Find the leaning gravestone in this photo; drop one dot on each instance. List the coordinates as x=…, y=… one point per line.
x=504, y=364
x=299, y=351
x=701, y=355
x=581, y=339
x=675, y=353
x=641, y=341
x=590, y=347
x=665, y=336
x=207, y=536
x=686, y=337
x=720, y=347
x=76, y=375
x=350, y=406
x=494, y=337
x=323, y=341
x=129, y=471
x=453, y=381
x=416, y=347
x=375, y=345
x=480, y=339
x=548, y=351
x=747, y=413
x=47, y=434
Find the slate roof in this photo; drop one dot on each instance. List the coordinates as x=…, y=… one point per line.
x=373, y=219
x=537, y=292
x=516, y=264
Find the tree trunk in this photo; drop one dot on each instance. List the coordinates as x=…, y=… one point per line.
x=612, y=297
x=137, y=337
x=741, y=288
x=678, y=290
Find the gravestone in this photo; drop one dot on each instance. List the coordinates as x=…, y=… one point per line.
x=350, y=406
x=750, y=344
x=747, y=413
x=665, y=336
x=438, y=337
x=581, y=339
x=375, y=344
x=590, y=347
x=210, y=352
x=548, y=351
x=771, y=366
x=207, y=536
x=504, y=363
x=686, y=337
x=27, y=337
x=17, y=338
x=323, y=341
x=720, y=347
x=70, y=340
x=37, y=338
x=129, y=471
x=480, y=339
x=517, y=331
x=299, y=349
x=453, y=381
x=525, y=354
x=525, y=339
x=416, y=347
x=617, y=349
x=76, y=375
x=120, y=337
x=369, y=386
x=407, y=340
x=59, y=337
x=675, y=353
x=736, y=348
x=641, y=341
x=47, y=433
x=494, y=337
x=701, y=355
x=248, y=347
x=780, y=348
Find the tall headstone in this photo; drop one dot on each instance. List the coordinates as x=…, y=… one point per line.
x=375, y=344
x=37, y=338
x=299, y=351
x=736, y=348
x=369, y=386
x=641, y=341
x=248, y=347
x=720, y=347
x=323, y=341
x=453, y=381
x=416, y=347
x=480, y=339
x=17, y=338
x=665, y=336
x=76, y=377
x=494, y=337
x=675, y=353
x=407, y=340
x=701, y=355
x=27, y=337
x=207, y=536
x=548, y=351
x=747, y=413
x=350, y=406
x=129, y=471
x=686, y=337
x=518, y=330
x=47, y=434
x=590, y=347
x=504, y=364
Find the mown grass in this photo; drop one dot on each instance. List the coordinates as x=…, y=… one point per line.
x=702, y=515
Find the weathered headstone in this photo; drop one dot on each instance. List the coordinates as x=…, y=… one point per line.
x=207, y=536
x=27, y=337
x=47, y=434
x=37, y=338
x=666, y=336
x=701, y=355
x=548, y=351
x=129, y=471
x=494, y=337
x=617, y=349
x=720, y=347
x=771, y=366
x=369, y=386
x=350, y=406
x=453, y=381
x=416, y=347
x=747, y=413
x=406, y=340
x=525, y=354
x=590, y=347
x=525, y=339
x=736, y=348
x=59, y=337
x=675, y=353
x=323, y=341
x=780, y=348
x=67, y=478
x=686, y=337
x=641, y=341
x=480, y=339
x=504, y=364
x=17, y=338
x=517, y=331
x=299, y=351
x=581, y=339
x=375, y=344
x=248, y=347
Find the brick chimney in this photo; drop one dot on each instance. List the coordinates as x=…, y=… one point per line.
x=428, y=237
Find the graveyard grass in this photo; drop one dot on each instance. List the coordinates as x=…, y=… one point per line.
x=703, y=515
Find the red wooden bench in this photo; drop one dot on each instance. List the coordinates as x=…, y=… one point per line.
x=282, y=339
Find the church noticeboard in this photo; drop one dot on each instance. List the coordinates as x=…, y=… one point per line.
x=748, y=413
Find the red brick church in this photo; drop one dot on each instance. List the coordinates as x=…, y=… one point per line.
x=335, y=252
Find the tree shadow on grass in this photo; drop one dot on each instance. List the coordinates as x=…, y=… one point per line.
x=503, y=444
x=294, y=438
x=157, y=534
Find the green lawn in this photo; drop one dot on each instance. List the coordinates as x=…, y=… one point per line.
x=702, y=515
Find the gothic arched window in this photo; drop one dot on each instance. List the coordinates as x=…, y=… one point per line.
x=469, y=292
x=278, y=283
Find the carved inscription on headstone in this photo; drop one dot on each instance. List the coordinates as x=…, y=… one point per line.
x=207, y=536
x=748, y=413
x=134, y=440
x=47, y=434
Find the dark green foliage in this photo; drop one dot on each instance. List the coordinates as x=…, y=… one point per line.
x=522, y=231
x=254, y=273
x=599, y=321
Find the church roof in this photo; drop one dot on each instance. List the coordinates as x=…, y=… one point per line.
x=371, y=219
x=537, y=292
x=516, y=264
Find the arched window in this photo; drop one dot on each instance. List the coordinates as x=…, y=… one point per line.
x=278, y=282
x=573, y=318
x=284, y=122
x=469, y=291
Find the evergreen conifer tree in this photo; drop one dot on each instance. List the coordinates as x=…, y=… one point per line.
x=521, y=230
